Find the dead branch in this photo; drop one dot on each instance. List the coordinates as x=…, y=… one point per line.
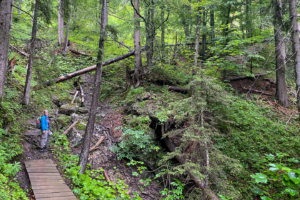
x=97, y=144
x=82, y=95
x=246, y=77
x=78, y=52
x=67, y=131
x=258, y=91
x=74, y=97
x=106, y=176
x=21, y=52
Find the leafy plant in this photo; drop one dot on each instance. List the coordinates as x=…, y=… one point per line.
x=174, y=193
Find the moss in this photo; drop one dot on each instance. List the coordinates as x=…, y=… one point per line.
x=63, y=120
x=80, y=126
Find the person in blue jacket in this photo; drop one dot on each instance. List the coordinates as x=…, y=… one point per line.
x=45, y=126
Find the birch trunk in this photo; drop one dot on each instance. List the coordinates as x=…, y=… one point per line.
x=296, y=46
x=60, y=22
x=137, y=45
x=30, y=61
x=280, y=56
x=5, y=27
x=93, y=109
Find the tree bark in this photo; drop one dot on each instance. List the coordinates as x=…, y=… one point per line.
x=60, y=22
x=197, y=40
x=204, y=37
x=280, y=56
x=162, y=34
x=296, y=47
x=212, y=24
x=137, y=45
x=95, y=99
x=150, y=30
x=5, y=27
x=66, y=38
x=30, y=61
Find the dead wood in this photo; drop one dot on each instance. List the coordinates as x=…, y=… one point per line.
x=97, y=144
x=12, y=63
x=180, y=90
x=258, y=91
x=106, y=176
x=199, y=182
x=83, y=71
x=18, y=50
x=74, y=97
x=82, y=95
x=78, y=52
x=67, y=131
x=246, y=77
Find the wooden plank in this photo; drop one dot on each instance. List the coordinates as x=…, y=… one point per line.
x=53, y=195
x=43, y=174
x=48, y=183
x=39, y=160
x=45, y=178
x=39, y=168
x=52, y=190
x=39, y=165
x=58, y=186
x=42, y=171
x=60, y=198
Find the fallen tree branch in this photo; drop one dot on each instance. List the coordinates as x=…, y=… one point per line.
x=97, y=144
x=74, y=97
x=78, y=52
x=82, y=95
x=106, y=176
x=246, y=77
x=67, y=131
x=122, y=44
x=21, y=52
x=83, y=71
x=257, y=91
x=180, y=90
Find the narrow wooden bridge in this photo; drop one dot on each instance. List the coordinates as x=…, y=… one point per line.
x=46, y=181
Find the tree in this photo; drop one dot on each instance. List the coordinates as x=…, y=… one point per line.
x=30, y=61
x=67, y=15
x=137, y=45
x=281, y=91
x=93, y=109
x=5, y=27
x=197, y=37
x=296, y=46
x=60, y=22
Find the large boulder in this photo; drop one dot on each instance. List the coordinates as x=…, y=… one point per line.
x=69, y=109
x=76, y=137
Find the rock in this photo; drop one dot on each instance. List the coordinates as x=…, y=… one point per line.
x=75, y=117
x=62, y=121
x=146, y=96
x=55, y=100
x=83, y=110
x=76, y=137
x=69, y=109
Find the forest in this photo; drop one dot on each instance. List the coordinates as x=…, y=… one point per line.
x=150, y=99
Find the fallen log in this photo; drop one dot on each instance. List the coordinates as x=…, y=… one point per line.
x=200, y=183
x=78, y=52
x=180, y=90
x=74, y=97
x=83, y=71
x=21, y=52
x=258, y=91
x=67, y=131
x=246, y=77
x=97, y=144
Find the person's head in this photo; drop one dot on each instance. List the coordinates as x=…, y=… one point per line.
x=46, y=112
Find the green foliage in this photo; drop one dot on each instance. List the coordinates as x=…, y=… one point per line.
x=279, y=180
x=176, y=193
x=91, y=184
x=134, y=144
x=133, y=93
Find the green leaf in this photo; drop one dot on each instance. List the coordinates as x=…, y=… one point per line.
x=266, y=198
x=260, y=178
x=291, y=191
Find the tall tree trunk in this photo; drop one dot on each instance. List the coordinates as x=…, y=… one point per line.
x=227, y=24
x=5, y=27
x=281, y=91
x=162, y=34
x=248, y=21
x=95, y=99
x=150, y=33
x=137, y=45
x=212, y=24
x=19, y=7
x=30, y=61
x=60, y=22
x=296, y=47
x=204, y=37
x=67, y=37
x=197, y=40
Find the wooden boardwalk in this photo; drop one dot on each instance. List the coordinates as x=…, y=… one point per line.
x=46, y=181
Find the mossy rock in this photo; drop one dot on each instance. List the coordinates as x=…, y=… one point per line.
x=80, y=126
x=69, y=109
x=62, y=121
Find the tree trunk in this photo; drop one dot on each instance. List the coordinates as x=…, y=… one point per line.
x=30, y=61
x=137, y=45
x=150, y=29
x=280, y=56
x=5, y=27
x=204, y=37
x=197, y=39
x=95, y=99
x=66, y=38
x=248, y=21
x=19, y=7
x=162, y=34
x=60, y=22
x=212, y=24
x=296, y=47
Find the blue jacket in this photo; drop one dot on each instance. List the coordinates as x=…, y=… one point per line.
x=44, y=123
